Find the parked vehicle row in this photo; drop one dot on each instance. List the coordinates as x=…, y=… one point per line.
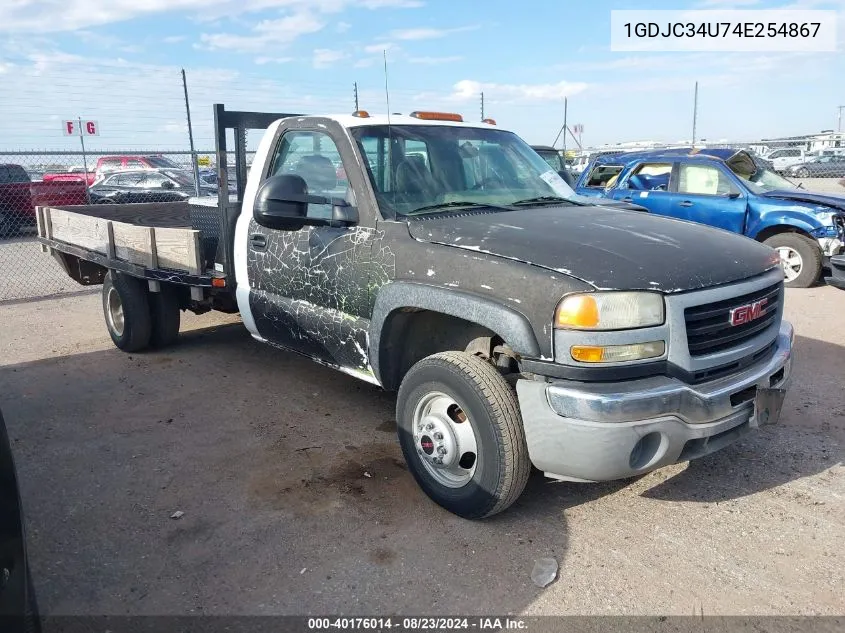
x=108, y=164
x=520, y=323
x=832, y=166
x=148, y=185
x=730, y=190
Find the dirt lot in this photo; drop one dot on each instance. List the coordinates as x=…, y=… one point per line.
x=266, y=454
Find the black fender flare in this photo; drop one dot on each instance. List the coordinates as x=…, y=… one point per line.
x=511, y=325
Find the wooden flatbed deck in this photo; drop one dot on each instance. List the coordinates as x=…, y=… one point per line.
x=152, y=235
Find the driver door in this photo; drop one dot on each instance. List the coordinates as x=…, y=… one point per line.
x=309, y=288
x=648, y=185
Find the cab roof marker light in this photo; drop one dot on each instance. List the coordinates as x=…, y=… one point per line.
x=361, y=114
x=489, y=121
x=437, y=116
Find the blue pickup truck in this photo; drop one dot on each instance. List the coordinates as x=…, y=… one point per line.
x=731, y=190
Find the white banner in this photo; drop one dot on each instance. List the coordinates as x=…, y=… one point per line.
x=89, y=128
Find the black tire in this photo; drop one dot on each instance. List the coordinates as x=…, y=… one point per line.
x=131, y=293
x=502, y=465
x=165, y=316
x=803, y=173
x=811, y=257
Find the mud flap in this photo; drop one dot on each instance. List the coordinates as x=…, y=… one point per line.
x=767, y=406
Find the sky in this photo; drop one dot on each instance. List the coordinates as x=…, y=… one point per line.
x=118, y=62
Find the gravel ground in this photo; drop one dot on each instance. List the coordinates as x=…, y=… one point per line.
x=268, y=456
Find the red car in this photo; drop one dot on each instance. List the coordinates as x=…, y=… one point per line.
x=19, y=196
x=71, y=175
x=106, y=164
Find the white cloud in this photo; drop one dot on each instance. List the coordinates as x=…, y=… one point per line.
x=174, y=39
x=364, y=63
x=261, y=61
x=429, y=33
x=28, y=16
x=431, y=61
x=342, y=27
x=469, y=89
x=325, y=57
x=266, y=34
x=378, y=48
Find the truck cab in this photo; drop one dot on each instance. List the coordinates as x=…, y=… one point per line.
x=520, y=324
x=730, y=190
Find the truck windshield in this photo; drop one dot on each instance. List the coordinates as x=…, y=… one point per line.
x=430, y=168
x=764, y=181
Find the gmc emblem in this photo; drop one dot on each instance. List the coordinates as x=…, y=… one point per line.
x=747, y=313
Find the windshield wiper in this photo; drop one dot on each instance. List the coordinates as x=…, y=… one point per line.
x=446, y=206
x=541, y=199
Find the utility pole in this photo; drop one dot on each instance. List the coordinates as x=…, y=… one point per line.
x=194, y=165
x=355, y=87
x=695, y=114
x=563, y=128
x=84, y=160
x=565, y=108
x=482, y=106
x=839, y=126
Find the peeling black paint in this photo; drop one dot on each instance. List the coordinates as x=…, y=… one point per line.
x=311, y=290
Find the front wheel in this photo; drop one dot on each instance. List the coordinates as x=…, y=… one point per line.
x=800, y=257
x=803, y=173
x=461, y=433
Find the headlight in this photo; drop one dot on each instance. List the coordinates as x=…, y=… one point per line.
x=610, y=311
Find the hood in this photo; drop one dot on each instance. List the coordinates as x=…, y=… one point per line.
x=608, y=248
x=831, y=200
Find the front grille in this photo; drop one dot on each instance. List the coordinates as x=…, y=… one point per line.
x=709, y=329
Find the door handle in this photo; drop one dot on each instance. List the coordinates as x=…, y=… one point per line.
x=627, y=199
x=685, y=203
x=258, y=241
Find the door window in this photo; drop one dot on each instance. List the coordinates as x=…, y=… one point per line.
x=315, y=158
x=704, y=180
x=650, y=177
x=127, y=180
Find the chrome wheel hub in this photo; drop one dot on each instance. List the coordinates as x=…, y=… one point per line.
x=791, y=261
x=114, y=311
x=445, y=440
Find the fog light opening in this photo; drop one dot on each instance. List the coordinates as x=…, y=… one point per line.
x=645, y=450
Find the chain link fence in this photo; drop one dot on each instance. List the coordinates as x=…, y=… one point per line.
x=144, y=153
x=30, y=179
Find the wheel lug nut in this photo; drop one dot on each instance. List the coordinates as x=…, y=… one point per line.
x=442, y=450
x=429, y=426
x=438, y=436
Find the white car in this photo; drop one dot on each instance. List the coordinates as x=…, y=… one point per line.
x=782, y=159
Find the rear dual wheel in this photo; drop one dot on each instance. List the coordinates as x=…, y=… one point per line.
x=136, y=318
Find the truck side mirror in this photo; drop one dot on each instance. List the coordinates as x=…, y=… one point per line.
x=282, y=203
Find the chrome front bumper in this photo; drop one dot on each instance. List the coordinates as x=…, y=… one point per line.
x=604, y=431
